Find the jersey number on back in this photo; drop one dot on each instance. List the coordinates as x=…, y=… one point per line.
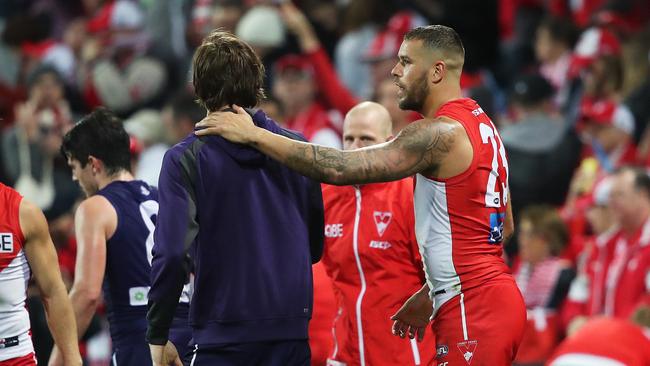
x=492, y=197
x=149, y=211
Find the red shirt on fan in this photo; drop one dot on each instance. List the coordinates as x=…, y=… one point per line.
x=628, y=280
x=587, y=291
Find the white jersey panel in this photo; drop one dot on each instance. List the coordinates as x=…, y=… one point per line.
x=433, y=232
x=15, y=340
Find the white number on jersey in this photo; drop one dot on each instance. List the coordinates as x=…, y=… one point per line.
x=492, y=198
x=149, y=209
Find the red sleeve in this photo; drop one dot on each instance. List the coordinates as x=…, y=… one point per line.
x=335, y=94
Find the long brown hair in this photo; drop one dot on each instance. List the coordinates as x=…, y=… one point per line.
x=227, y=71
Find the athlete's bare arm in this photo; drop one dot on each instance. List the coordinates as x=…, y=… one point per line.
x=43, y=262
x=420, y=147
x=508, y=223
x=95, y=221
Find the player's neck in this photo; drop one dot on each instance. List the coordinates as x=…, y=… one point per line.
x=437, y=98
x=122, y=175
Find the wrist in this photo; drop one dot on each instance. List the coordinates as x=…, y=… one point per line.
x=256, y=137
x=309, y=43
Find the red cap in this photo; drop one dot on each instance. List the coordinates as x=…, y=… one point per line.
x=384, y=46
x=294, y=62
x=593, y=43
x=387, y=42
x=606, y=112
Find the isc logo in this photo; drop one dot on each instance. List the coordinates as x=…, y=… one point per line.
x=6, y=243
x=334, y=230
x=380, y=244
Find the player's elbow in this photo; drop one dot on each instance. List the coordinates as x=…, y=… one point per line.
x=86, y=296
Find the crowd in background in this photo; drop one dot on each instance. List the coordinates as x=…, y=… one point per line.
x=566, y=82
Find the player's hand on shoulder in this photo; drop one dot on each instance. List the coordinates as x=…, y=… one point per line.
x=235, y=127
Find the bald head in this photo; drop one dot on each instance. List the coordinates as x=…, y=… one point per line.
x=368, y=123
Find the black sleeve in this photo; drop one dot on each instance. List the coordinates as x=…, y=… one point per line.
x=316, y=223
x=561, y=288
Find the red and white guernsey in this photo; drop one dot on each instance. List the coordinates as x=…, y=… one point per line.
x=15, y=339
x=459, y=220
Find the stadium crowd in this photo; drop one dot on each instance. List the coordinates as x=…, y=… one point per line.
x=567, y=83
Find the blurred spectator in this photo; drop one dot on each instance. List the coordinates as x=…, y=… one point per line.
x=579, y=11
x=226, y=15
x=361, y=21
x=116, y=70
x=607, y=127
x=638, y=87
x=554, y=42
x=626, y=284
x=30, y=149
x=332, y=90
x=542, y=150
x=586, y=292
x=180, y=115
x=608, y=341
x=296, y=89
x=262, y=28
x=543, y=278
x=147, y=127
x=382, y=54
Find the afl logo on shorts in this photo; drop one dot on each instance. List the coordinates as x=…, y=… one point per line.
x=442, y=351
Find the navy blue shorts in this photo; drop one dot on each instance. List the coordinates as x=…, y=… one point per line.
x=276, y=353
x=136, y=353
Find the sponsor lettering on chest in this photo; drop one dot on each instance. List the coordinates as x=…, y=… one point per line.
x=333, y=230
x=380, y=244
x=6, y=243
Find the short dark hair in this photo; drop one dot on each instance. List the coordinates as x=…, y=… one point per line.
x=548, y=224
x=438, y=37
x=227, y=71
x=560, y=30
x=183, y=105
x=641, y=178
x=102, y=135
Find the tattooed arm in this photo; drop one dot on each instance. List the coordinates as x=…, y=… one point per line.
x=421, y=146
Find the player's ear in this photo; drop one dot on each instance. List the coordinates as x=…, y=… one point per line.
x=437, y=72
x=95, y=164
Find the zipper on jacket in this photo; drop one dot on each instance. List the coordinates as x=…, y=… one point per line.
x=355, y=246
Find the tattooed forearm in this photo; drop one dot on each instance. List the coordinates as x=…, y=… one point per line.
x=420, y=147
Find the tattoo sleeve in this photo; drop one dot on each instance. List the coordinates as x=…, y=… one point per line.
x=420, y=146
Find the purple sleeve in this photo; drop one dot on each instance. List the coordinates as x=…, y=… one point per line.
x=176, y=229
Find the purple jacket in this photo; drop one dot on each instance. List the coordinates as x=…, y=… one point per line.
x=254, y=228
